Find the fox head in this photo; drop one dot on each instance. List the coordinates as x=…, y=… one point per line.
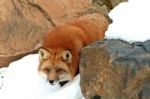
x=55, y=65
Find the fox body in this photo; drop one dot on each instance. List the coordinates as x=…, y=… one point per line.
x=59, y=56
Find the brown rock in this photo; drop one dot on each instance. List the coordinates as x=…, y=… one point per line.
x=24, y=22
x=113, y=69
x=21, y=30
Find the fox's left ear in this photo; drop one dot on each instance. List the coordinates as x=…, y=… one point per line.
x=43, y=54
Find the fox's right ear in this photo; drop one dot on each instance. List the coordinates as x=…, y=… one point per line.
x=43, y=54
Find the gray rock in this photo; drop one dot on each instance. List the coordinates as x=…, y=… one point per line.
x=114, y=69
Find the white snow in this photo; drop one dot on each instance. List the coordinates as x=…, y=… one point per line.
x=22, y=81
x=2, y=75
x=131, y=21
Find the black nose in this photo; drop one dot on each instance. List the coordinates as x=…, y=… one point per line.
x=51, y=81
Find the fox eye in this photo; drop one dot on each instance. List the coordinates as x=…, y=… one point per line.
x=47, y=70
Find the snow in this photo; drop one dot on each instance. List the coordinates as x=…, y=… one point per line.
x=131, y=21
x=22, y=81
x=2, y=75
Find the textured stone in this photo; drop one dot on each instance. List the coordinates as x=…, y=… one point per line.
x=113, y=69
x=24, y=22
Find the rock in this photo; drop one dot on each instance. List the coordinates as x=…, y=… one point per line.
x=116, y=2
x=114, y=69
x=105, y=6
x=24, y=22
x=21, y=29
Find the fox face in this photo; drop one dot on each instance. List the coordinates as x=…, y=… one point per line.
x=54, y=65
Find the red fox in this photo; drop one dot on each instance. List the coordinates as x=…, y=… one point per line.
x=59, y=56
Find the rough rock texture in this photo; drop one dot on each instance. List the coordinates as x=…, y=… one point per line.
x=113, y=69
x=24, y=22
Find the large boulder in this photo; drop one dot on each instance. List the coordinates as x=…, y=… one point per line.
x=24, y=22
x=114, y=69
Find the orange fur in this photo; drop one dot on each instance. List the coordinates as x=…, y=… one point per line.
x=72, y=36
